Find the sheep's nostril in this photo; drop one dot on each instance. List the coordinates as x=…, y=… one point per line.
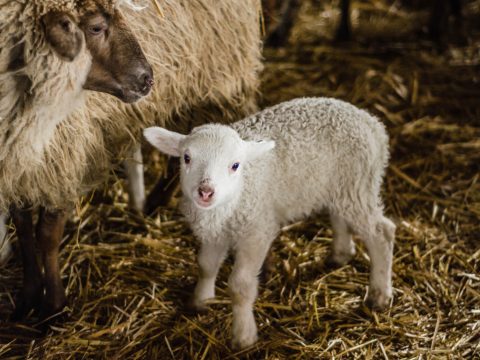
x=147, y=81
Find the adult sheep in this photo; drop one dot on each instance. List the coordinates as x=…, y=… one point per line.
x=50, y=52
x=42, y=53
x=206, y=56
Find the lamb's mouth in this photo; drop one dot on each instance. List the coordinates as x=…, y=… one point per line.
x=204, y=205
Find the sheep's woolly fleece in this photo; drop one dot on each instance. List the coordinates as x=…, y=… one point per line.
x=37, y=92
x=206, y=58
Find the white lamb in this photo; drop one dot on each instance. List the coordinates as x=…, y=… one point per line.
x=242, y=183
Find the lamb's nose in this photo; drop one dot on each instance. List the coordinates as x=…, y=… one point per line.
x=206, y=192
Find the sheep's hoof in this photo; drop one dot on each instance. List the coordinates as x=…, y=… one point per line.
x=277, y=38
x=378, y=300
x=28, y=300
x=343, y=34
x=53, y=308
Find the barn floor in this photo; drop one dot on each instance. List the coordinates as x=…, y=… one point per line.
x=128, y=277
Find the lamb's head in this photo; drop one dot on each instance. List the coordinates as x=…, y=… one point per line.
x=119, y=66
x=213, y=160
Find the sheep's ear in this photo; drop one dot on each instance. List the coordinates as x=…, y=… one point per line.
x=257, y=149
x=164, y=140
x=63, y=35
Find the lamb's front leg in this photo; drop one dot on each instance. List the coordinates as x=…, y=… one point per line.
x=243, y=285
x=210, y=258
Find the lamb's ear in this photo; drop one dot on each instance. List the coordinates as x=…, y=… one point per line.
x=164, y=140
x=257, y=149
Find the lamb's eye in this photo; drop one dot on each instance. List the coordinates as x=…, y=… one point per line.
x=186, y=158
x=235, y=166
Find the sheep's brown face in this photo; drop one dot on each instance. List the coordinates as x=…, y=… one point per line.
x=119, y=66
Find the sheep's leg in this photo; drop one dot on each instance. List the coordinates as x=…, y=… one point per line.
x=5, y=243
x=344, y=31
x=440, y=12
x=30, y=297
x=50, y=227
x=210, y=258
x=136, y=183
x=379, y=238
x=278, y=37
x=343, y=247
x=268, y=11
x=438, y=20
x=243, y=284
x=164, y=189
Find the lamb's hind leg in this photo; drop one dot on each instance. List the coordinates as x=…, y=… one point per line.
x=343, y=247
x=378, y=234
x=50, y=227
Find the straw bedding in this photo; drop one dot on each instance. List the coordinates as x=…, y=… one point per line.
x=128, y=278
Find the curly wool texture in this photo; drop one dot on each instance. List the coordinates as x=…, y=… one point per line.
x=206, y=57
x=328, y=155
x=37, y=92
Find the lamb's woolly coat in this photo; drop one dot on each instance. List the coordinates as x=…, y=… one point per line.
x=35, y=96
x=328, y=154
x=206, y=56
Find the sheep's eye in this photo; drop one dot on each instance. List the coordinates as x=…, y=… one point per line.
x=235, y=166
x=95, y=30
x=186, y=158
x=98, y=28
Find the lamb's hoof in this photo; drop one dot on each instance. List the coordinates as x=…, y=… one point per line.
x=244, y=341
x=336, y=260
x=378, y=300
x=198, y=307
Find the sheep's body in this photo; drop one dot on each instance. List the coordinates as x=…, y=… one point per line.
x=205, y=56
x=36, y=94
x=328, y=155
